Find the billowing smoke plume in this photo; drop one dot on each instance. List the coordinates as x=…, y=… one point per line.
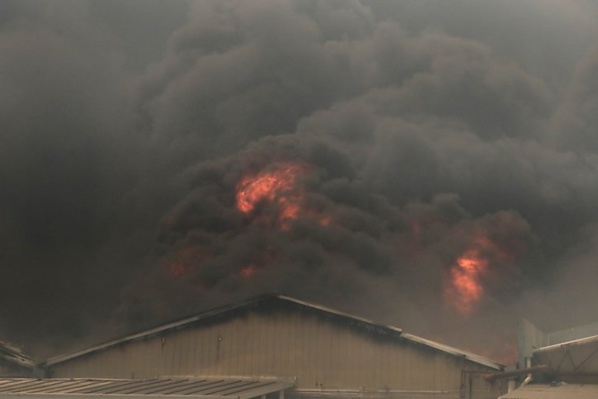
x=431, y=166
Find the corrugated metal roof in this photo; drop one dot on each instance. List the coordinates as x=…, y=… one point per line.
x=560, y=346
x=578, y=358
x=87, y=388
x=541, y=391
x=355, y=321
x=453, y=351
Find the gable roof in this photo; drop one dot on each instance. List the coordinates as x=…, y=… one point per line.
x=273, y=301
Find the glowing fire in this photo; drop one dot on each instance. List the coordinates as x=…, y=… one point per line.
x=277, y=185
x=464, y=289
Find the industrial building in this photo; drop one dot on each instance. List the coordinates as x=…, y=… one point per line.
x=559, y=365
x=316, y=350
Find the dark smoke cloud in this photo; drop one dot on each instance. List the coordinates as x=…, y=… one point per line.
x=423, y=129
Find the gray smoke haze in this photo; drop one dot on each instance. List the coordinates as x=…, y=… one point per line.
x=418, y=131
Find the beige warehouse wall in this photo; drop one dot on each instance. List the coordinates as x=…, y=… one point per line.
x=321, y=355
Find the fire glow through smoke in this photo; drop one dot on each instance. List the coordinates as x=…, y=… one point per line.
x=464, y=288
x=277, y=185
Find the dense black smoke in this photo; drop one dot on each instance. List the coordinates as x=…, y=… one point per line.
x=423, y=131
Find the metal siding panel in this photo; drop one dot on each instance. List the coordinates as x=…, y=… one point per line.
x=360, y=363
x=411, y=366
x=288, y=341
x=348, y=358
x=290, y=345
x=347, y=367
x=256, y=350
x=311, y=378
x=302, y=376
x=239, y=346
x=269, y=332
x=202, y=352
x=204, y=362
x=154, y=352
x=171, y=347
x=325, y=355
x=341, y=357
x=316, y=352
x=320, y=353
x=276, y=341
x=282, y=343
x=301, y=362
x=385, y=373
x=261, y=354
x=226, y=348
x=178, y=351
x=182, y=351
x=253, y=355
x=333, y=357
x=199, y=367
x=187, y=352
x=373, y=361
x=136, y=358
x=138, y=354
x=266, y=343
x=221, y=342
x=247, y=345
x=210, y=345
x=382, y=375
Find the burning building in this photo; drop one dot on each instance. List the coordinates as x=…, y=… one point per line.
x=323, y=351
x=393, y=159
x=288, y=215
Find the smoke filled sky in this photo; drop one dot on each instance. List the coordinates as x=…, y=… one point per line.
x=428, y=164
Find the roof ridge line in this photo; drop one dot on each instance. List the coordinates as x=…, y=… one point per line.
x=263, y=298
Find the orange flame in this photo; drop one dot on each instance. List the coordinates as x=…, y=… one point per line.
x=464, y=289
x=277, y=185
